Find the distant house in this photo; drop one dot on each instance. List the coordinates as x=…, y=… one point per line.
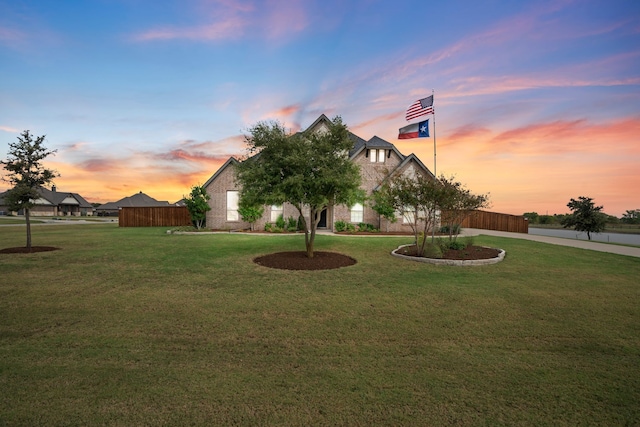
x=54, y=203
x=137, y=200
x=378, y=160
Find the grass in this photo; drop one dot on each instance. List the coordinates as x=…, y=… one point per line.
x=131, y=326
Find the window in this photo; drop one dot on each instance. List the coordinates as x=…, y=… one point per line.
x=232, y=206
x=377, y=155
x=357, y=213
x=408, y=217
x=276, y=211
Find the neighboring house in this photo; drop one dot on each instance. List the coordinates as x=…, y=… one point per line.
x=377, y=158
x=137, y=200
x=55, y=203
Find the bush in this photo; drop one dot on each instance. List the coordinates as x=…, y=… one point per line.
x=340, y=226
x=292, y=223
x=445, y=229
x=363, y=226
x=268, y=226
x=432, y=250
x=457, y=245
x=350, y=228
x=280, y=223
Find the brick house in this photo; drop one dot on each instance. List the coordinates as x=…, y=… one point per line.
x=54, y=203
x=377, y=158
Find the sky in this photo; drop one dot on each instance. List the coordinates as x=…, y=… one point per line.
x=536, y=102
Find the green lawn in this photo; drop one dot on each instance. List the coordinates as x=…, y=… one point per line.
x=132, y=326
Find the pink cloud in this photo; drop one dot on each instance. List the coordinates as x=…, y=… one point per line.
x=9, y=129
x=232, y=19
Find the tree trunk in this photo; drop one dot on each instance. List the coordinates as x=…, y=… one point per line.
x=27, y=215
x=311, y=236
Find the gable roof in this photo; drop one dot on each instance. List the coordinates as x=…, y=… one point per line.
x=57, y=198
x=375, y=143
x=61, y=198
x=408, y=159
x=359, y=144
x=137, y=200
x=230, y=161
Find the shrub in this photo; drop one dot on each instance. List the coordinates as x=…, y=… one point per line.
x=280, y=223
x=457, y=245
x=292, y=224
x=445, y=229
x=268, y=226
x=340, y=226
x=432, y=250
x=363, y=226
x=350, y=228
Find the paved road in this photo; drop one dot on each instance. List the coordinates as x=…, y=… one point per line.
x=583, y=244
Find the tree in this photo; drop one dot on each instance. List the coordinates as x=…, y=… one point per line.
x=631, y=217
x=27, y=174
x=197, y=205
x=250, y=213
x=416, y=198
x=585, y=216
x=532, y=217
x=456, y=203
x=383, y=208
x=309, y=170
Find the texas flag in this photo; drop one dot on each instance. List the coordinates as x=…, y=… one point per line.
x=415, y=130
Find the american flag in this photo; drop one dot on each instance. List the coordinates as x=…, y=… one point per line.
x=421, y=107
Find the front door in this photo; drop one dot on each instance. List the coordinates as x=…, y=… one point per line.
x=323, y=219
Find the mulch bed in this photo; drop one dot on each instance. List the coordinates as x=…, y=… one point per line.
x=24, y=250
x=469, y=253
x=298, y=260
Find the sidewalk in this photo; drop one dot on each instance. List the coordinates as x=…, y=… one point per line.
x=583, y=244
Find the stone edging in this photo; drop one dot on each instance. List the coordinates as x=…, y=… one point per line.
x=470, y=262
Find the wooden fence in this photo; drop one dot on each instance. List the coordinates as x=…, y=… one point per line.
x=496, y=221
x=157, y=216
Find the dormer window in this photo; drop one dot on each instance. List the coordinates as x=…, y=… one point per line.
x=377, y=155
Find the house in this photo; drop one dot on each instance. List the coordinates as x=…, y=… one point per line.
x=378, y=159
x=55, y=203
x=137, y=200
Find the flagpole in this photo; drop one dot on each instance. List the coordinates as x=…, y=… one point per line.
x=434, y=136
x=435, y=174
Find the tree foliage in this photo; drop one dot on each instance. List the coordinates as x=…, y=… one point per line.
x=27, y=174
x=197, y=205
x=456, y=203
x=415, y=198
x=250, y=213
x=585, y=216
x=309, y=170
x=419, y=197
x=383, y=207
x=631, y=217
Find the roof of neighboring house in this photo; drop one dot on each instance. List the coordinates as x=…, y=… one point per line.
x=57, y=198
x=137, y=200
x=62, y=198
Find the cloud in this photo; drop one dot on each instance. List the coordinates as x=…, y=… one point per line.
x=228, y=20
x=9, y=129
x=9, y=36
x=564, y=136
x=230, y=28
x=101, y=165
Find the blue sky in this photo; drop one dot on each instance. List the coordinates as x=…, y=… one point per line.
x=536, y=102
